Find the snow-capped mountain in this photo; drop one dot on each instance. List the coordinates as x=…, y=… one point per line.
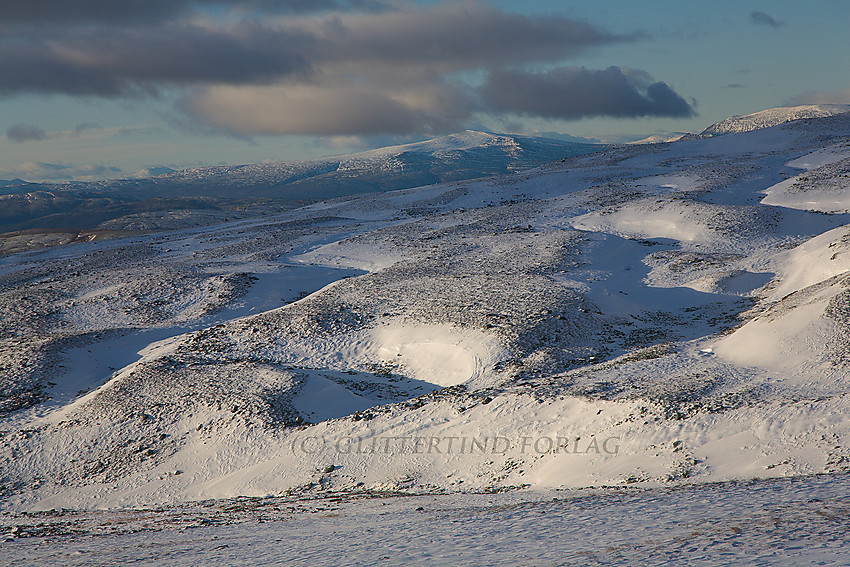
x=645, y=315
x=215, y=193
x=466, y=155
x=772, y=117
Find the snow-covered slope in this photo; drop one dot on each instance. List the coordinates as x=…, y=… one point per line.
x=637, y=316
x=773, y=117
x=823, y=186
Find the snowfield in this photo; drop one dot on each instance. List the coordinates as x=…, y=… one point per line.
x=779, y=522
x=648, y=316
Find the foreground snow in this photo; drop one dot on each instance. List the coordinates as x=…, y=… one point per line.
x=781, y=522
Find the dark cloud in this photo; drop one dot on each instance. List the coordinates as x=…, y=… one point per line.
x=764, y=19
x=456, y=37
x=575, y=92
x=733, y=86
x=25, y=133
x=125, y=61
x=116, y=60
x=42, y=11
x=148, y=11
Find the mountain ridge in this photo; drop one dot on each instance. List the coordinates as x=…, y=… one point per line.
x=227, y=189
x=772, y=117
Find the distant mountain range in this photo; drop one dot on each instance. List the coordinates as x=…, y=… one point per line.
x=208, y=195
x=466, y=155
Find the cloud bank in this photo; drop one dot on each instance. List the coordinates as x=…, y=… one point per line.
x=327, y=67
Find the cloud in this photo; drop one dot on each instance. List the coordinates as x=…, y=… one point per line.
x=814, y=97
x=575, y=92
x=764, y=19
x=455, y=37
x=44, y=171
x=430, y=105
x=334, y=109
x=25, y=133
x=147, y=11
x=128, y=61
x=327, y=67
x=120, y=60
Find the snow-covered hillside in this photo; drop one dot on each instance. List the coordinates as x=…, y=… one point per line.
x=773, y=117
x=641, y=316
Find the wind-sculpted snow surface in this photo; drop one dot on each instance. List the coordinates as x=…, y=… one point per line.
x=640, y=316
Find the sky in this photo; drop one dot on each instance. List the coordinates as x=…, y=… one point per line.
x=96, y=89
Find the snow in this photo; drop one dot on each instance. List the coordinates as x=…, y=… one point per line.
x=660, y=138
x=796, y=332
x=819, y=259
x=824, y=187
x=653, y=318
x=638, y=220
x=782, y=522
x=321, y=399
x=773, y=117
x=439, y=354
x=785, y=343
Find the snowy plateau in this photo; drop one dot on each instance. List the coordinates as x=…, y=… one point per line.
x=637, y=355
